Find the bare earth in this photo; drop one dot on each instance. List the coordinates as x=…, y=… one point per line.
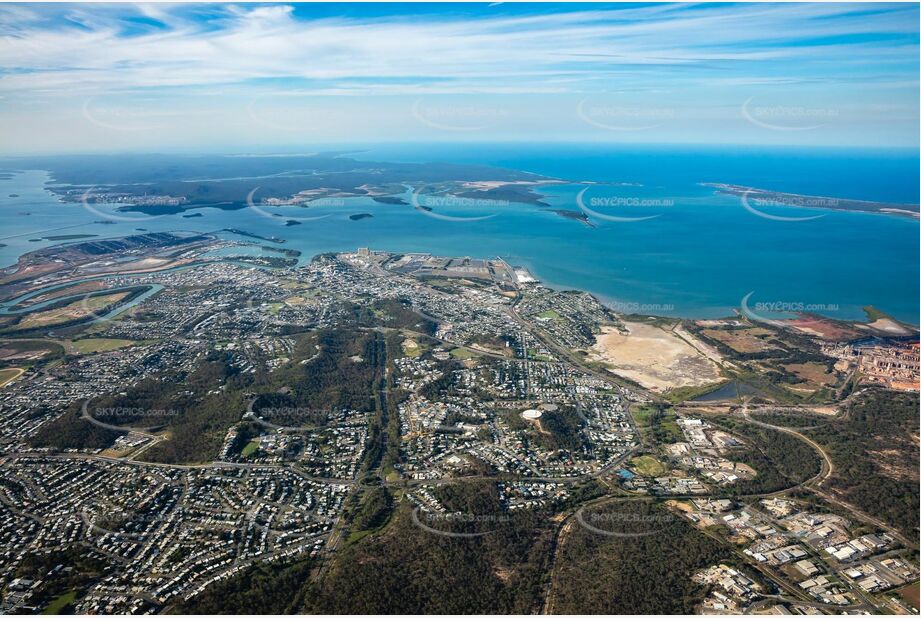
x=889, y=325
x=655, y=358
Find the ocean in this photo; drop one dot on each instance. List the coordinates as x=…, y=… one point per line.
x=660, y=242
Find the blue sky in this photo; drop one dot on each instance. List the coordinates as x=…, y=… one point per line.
x=218, y=77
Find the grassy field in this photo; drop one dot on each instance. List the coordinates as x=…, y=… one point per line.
x=90, y=346
x=549, y=314
x=660, y=426
x=647, y=465
x=461, y=353
x=684, y=393
x=250, y=449
x=8, y=375
x=57, y=605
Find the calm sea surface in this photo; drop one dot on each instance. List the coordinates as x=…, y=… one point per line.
x=685, y=252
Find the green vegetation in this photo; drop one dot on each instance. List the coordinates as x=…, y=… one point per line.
x=650, y=574
x=780, y=459
x=461, y=353
x=250, y=449
x=764, y=355
x=67, y=312
x=201, y=405
x=392, y=313
x=405, y=569
x=492, y=342
x=390, y=419
x=71, y=431
x=66, y=574
x=874, y=314
x=335, y=378
x=58, y=605
x=89, y=346
x=28, y=351
x=549, y=314
x=412, y=348
x=342, y=374
x=658, y=423
x=647, y=465
x=558, y=429
x=875, y=455
x=564, y=429
x=684, y=393
x=375, y=510
x=260, y=589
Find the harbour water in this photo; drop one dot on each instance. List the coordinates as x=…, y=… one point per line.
x=659, y=243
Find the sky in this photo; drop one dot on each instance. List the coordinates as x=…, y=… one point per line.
x=282, y=77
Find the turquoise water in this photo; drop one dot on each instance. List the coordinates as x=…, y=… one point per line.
x=698, y=255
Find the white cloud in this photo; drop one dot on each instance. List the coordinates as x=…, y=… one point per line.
x=262, y=42
x=214, y=60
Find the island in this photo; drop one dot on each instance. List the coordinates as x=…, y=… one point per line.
x=769, y=198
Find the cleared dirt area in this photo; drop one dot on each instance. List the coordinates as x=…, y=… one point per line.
x=742, y=340
x=8, y=375
x=825, y=329
x=889, y=326
x=72, y=311
x=411, y=348
x=655, y=358
x=815, y=374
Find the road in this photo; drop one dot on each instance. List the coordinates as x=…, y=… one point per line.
x=828, y=467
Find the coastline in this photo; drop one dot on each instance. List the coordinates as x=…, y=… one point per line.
x=653, y=268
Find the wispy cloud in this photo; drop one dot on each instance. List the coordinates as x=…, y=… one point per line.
x=49, y=52
x=89, y=48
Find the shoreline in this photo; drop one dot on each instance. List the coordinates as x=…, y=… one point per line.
x=710, y=303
